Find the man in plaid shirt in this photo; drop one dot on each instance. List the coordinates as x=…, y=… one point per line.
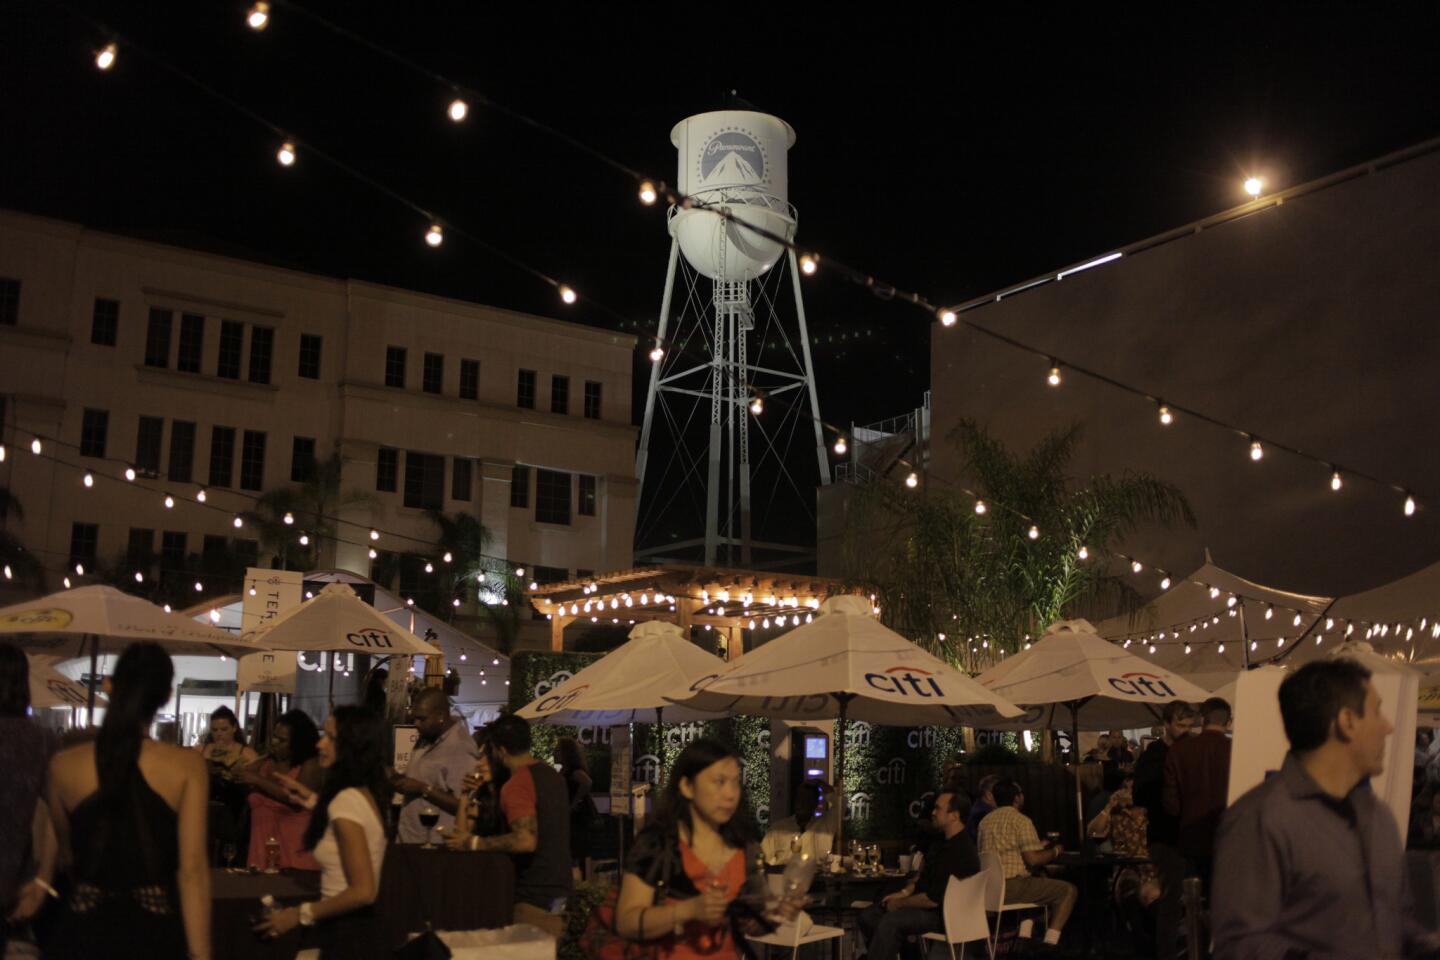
x=1011, y=835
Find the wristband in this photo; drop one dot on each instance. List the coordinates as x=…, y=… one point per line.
x=43, y=885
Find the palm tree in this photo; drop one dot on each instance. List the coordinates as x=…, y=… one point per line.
x=464, y=539
x=312, y=506
x=19, y=562
x=945, y=570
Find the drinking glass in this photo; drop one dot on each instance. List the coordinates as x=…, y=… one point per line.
x=228, y=852
x=428, y=818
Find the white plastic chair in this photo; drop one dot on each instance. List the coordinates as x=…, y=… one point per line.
x=797, y=933
x=964, y=914
x=995, y=895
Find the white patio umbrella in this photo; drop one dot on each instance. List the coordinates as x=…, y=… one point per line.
x=847, y=664
x=337, y=620
x=631, y=683
x=51, y=688
x=102, y=619
x=1072, y=678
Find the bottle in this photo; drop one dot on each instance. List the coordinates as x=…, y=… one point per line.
x=272, y=854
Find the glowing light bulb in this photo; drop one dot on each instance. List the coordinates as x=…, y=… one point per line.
x=373, y=554
x=238, y=523
x=286, y=154
x=647, y=192
x=1033, y=533
x=429, y=567
x=567, y=295
x=8, y=574
x=252, y=591
x=980, y=506
x=809, y=263
x=765, y=624
x=214, y=615
x=757, y=406
x=1254, y=644
x=1152, y=648
x=840, y=447
x=455, y=602
x=1256, y=451
x=35, y=447
x=2, y=453
x=1269, y=611
x=1214, y=592
x=374, y=534
x=435, y=235
x=1220, y=647
x=1230, y=601
x=289, y=518
x=130, y=474
x=105, y=56
x=1409, y=504
x=167, y=608
x=1187, y=649
x=447, y=558
x=458, y=110
x=139, y=577
x=1296, y=621
x=1165, y=584
x=200, y=497
x=913, y=480
x=1136, y=566
x=79, y=569
x=519, y=571
x=67, y=583
x=1166, y=417
x=1084, y=553
x=948, y=318
x=1335, y=482
x=304, y=539
x=199, y=587
x=1253, y=186
x=89, y=480
x=258, y=18
x=1054, y=378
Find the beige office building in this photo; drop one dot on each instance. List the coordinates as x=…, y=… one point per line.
x=207, y=372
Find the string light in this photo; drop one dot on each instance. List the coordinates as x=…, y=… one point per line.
x=840, y=447
x=757, y=406
x=374, y=534
x=657, y=353
x=88, y=479
x=8, y=574
x=809, y=263
x=289, y=518
x=948, y=318
x=1220, y=647
x=238, y=522
x=169, y=502
x=1330, y=624
x=1269, y=611
x=214, y=615
x=200, y=497
x=2, y=453
x=252, y=591
x=980, y=507
x=1230, y=601
x=458, y=110
x=1256, y=451
x=258, y=17
x=435, y=235
x=567, y=295
x=1409, y=505
x=66, y=581
x=35, y=447
x=519, y=571
x=286, y=154
x=1296, y=621
x=1254, y=644
x=167, y=608
x=913, y=480
x=447, y=558
x=429, y=567
x=1084, y=553
x=1054, y=378
x=1165, y=583
x=1136, y=566
x=1187, y=649
x=1335, y=482
x=1166, y=417
x=304, y=540
x=1152, y=648
x=1033, y=533
x=1214, y=592
x=130, y=474
x=105, y=56
x=1253, y=186
x=199, y=587
x=647, y=193
x=373, y=554
x=79, y=569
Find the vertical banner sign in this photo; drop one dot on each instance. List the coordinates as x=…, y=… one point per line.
x=620, y=769
x=276, y=591
x=406, y=736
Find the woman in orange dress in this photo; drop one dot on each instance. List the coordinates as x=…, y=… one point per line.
x=272, y=813
x=689, y=885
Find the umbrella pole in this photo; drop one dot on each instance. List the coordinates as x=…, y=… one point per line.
x=94, y=666
x=330, y=681
x=1075, y=762
x=660, y=748
x=840, y=774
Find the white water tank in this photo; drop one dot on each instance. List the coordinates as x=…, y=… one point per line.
x=738, y=159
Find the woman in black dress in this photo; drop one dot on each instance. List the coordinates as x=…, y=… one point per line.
x=582, y=808
x=131, y=813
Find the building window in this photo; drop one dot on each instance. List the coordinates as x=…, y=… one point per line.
x=182, y=451
x=222, y=456
x=592, y=400
x=432, y=375
x=519, y=486
x=172, y=551
x=232, y=342
x=192, y=343
x=147, y=446
x=525, y=390
x=424, y=480
x=9, y=301
x=584, y=574
x=460, y=475
x=84, y=542
x=559, y=394
x=395, y=367
x=302, y=459
x=310, y=355
x=552, y=496
x=94, y=427
x=586, y=505
x=469, y=379
x=387, y=469
x=157, y=338
x=105, y=322
x=544, y=575
x=262, y=348
x=215, y=547
x=252, y=461
x=140, y=549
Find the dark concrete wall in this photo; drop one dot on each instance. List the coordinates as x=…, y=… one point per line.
x=1314, y=323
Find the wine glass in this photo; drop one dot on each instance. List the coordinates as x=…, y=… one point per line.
x=227, y=850
x=428, y=818
x=874, y=854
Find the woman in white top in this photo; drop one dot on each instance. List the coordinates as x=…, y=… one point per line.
x=345, y=832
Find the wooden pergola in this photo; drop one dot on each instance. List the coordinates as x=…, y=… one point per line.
x=719, y=599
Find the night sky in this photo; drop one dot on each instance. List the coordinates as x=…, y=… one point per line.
x=952, y=153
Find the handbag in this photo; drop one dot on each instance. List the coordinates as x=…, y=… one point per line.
x=601, y=941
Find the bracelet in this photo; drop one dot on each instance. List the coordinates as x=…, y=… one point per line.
x=307, y=914
x=43, y=885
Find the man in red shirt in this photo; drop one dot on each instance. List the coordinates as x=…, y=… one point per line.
x=1197, y=781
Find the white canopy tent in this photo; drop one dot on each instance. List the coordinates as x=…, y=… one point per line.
x=636, y=682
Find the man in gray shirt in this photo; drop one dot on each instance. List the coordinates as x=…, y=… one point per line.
x=443, y=755
x=1308, y=865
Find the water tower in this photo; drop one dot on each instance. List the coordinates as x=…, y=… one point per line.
x=732, y=341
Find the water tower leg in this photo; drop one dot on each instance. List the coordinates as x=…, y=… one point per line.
x=742, y=412
x=712, y=483
x=644, y=453
x=820, y=451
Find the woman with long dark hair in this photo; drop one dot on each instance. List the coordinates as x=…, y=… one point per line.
x=27, y=842
x=688, y=868
x=347, y=835
x=226, y=755
x=582, y=807
x=132, y=814
x=293, y=753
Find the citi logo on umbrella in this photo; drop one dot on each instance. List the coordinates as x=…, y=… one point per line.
x=1142, y=684
x=906, y=681
x=553, y=703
